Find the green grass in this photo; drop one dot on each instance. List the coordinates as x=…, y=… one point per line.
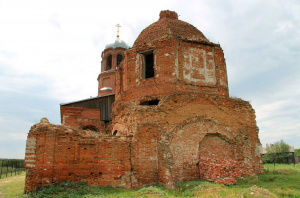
x=10, y=174
x=283, y=181
x=12, y=186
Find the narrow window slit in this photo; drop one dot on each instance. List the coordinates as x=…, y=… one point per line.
x=150, y=103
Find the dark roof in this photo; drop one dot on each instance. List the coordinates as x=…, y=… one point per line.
x=103, y=103
x=85, y=100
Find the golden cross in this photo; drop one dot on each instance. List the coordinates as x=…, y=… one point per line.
x=118, y=26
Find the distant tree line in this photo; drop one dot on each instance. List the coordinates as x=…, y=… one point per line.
x=10, y=167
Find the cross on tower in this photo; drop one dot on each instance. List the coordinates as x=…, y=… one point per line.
x=118, y=26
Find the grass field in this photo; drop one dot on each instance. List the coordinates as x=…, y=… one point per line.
x=10, y=174
x=12, y=186
x=281, y=181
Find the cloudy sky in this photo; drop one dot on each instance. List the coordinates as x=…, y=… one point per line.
x=50, y=54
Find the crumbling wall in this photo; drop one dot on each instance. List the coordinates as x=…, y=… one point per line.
x=56, y=153
x=222, y=171
x=144, y=156
x=82, y=118
x=190, y=127
x=184, y=136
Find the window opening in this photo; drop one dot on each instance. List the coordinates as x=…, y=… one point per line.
x=150, y=103
x=149, y=65
x=90, y=128
x=119, y=59
x=108, y=62
x=115, y=133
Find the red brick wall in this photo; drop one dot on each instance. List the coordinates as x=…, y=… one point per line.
x=78, y=118
x=107, y=77
x=176, y=140
x=145, y=156
x=180, y=67
x=222, y=171
x=187, y=127
x=57, y=153
x=114, y=53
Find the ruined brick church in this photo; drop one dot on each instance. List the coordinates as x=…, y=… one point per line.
x=162, y=115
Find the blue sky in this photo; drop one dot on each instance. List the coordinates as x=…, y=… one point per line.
x=50, y=53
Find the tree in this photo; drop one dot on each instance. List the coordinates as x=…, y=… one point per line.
x=277, y=151
x=297, y=152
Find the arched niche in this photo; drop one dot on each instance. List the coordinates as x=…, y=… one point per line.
x=195, y=138
x=90, y=128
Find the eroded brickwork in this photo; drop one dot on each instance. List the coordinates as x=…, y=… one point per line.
x=57, y=153
x=81, y=118
x=193, y=126
x=179, y=124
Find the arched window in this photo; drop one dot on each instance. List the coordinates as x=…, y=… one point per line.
x=108, y=62
x=119, y=59
x=115, y=133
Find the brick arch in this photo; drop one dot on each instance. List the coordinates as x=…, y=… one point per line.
x=202, y=120
x=186, y=140
x=216, y=146
x=90, y=128
x=119, y=130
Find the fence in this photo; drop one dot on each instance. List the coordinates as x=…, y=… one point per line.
x=10, y=167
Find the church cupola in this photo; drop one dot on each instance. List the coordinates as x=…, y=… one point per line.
x=112, y=56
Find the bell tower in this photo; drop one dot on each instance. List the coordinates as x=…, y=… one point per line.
x=112, y=56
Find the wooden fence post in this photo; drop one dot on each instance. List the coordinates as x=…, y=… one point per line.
x=1, y=169
x=7, y=168
x=12, y=168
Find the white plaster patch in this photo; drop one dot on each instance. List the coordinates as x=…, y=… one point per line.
x=138, y=68
x=29, y=160
x=199, y=67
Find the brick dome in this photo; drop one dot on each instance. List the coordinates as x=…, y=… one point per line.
x=168, y=24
